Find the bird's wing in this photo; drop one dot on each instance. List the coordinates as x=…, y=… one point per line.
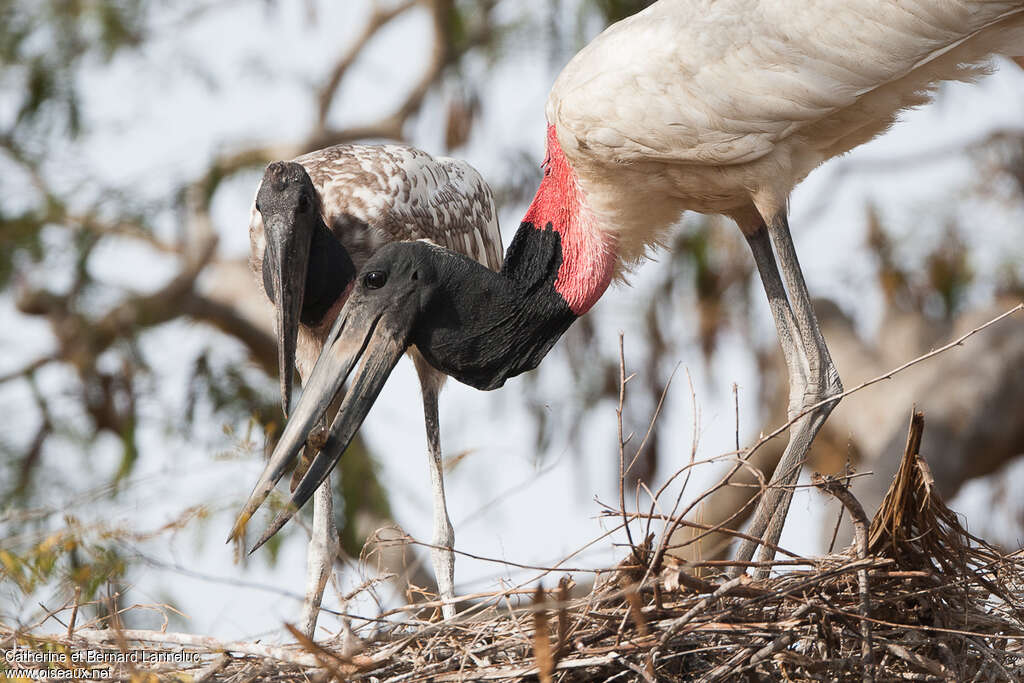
x=374, y=194
x=721, y=82
x=465, y=200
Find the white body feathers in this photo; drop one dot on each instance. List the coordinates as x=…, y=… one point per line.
x=723, y=106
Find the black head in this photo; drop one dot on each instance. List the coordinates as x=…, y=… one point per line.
x=399, y=278
x=474, y=324
x=286, y=189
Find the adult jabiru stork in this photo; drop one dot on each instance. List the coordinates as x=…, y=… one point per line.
x=714, y=106
x=314, y=221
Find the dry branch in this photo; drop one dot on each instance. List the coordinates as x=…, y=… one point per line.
x=942, y=605
x=289, y=655
x=860, y=524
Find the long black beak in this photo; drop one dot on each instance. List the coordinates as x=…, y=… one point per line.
x=365, y=344
x=285, y=264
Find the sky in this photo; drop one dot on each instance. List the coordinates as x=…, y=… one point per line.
x=156, y=119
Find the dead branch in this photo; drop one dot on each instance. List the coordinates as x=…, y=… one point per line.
x=379, y=18
x=799, y=624
x=860, y=523
x=206, y=643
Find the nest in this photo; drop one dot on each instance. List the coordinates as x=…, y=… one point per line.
x=915, y=598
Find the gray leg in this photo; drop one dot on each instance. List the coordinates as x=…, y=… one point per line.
x=812, y=378
x=822, y=373
x=323, y=548
x=822, y=377
x=324, y=545
x=443, y=540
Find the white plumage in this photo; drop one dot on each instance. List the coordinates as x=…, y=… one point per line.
x=721, y=106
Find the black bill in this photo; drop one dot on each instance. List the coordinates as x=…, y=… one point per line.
x=363, y=348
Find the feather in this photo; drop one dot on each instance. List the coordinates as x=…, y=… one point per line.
x=371, y=195
x=704, y=105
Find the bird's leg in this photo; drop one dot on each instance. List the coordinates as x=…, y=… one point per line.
x=323, y=546
x=812, y=379
x=823, y=378
x=822, y=382
x=791, y=343
x=789, y=334
x=441, y=554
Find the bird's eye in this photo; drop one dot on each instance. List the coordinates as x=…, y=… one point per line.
x=258, y=207
x=375, y=279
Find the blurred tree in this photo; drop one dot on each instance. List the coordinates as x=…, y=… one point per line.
x=51, y=231
x=55, y=226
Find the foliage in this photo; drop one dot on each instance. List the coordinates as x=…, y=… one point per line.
x=98, y=378
x=42, y=45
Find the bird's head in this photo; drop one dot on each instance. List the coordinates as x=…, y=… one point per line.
x=394, y=290
x=290, y=208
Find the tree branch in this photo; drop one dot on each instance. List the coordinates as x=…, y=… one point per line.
x=378, y=19
x=262, y=346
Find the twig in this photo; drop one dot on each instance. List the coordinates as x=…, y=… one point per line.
x=213, y=668
x=542, y=654
x=724, y=589
x=959, y=341
x=622, y=445
x=642, y=670
x=720, y=528
x=842, y=509
x=860, y=526
x=730, y=668
x=74, y=611
x=328, y=660
x=27, y=369
x=920, y=661
x=563, y=618
x=380, y=17
x=736, y=403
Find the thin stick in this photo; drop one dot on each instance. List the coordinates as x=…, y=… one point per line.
x=740, y=581
x=622, y=444
x=736, y=403
x=860, y=525
x=959, y=341
x=74, y=611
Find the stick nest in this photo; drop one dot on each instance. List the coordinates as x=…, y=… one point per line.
x=916, y=598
